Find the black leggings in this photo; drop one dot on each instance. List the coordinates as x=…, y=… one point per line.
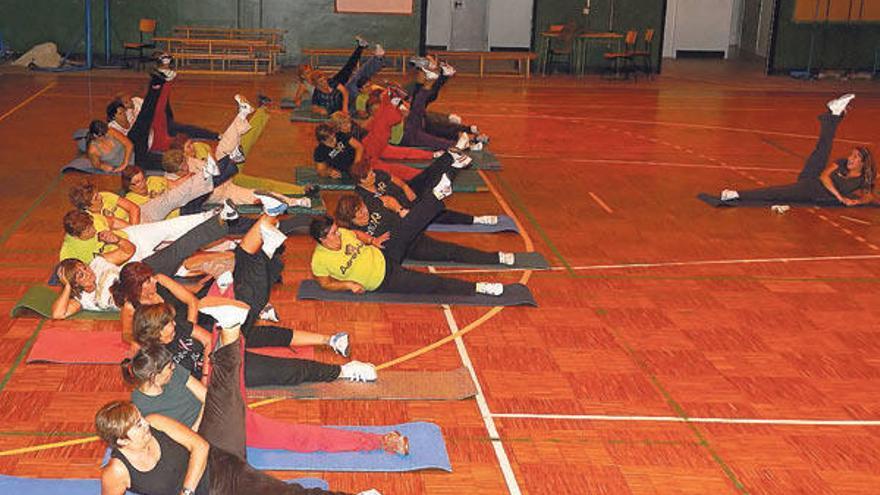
x=139, y=133
x=426, y=248
x=261, y=371
x=808, y=187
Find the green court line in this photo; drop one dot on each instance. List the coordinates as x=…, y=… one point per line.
x=18, y=360
x=677, y=408
x=46, y=433
x=521, y=206
x=42, y=197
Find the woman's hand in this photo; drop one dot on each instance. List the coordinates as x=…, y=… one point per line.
x=849, y=202
x=391, y=203
x=356, y=288
x=380, y=241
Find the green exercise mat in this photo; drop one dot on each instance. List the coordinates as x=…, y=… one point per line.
x=39, y=298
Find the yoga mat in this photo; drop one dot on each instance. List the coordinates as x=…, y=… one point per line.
x=280, y=187
x=714, y=200
x=505, y=224
x=317, y=208
x=391, y=385
x=39, y=298
x=530, y=260
x=427, y=450
x=65, y=346
x=514, y=295
x=56, y=486
x=83, y=165
x=465, y=181
x=474, y=165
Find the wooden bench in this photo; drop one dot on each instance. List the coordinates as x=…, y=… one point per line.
x=522, y=60
x=315, y=55
x=190, y=51
x=273, y=36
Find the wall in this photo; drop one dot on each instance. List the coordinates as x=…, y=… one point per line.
x=308, y=22
x=510, y=23
x=837, y=45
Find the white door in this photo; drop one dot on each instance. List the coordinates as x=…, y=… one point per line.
x=469, y=27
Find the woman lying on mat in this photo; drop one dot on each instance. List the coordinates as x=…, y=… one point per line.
x=108, y=149
x=338, y=93
x=160, y=197
x=847, y=181
x=342, y=262
x=157, y=455
x=386, y=193
x=161, y=387
x=252, y=270
x=373, y=226
x=109, y=210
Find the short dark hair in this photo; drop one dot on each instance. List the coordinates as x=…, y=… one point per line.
x=324, y=130
x=129, y=173
x=346, y=209
x=81, y=195
x=76, y=222
x=319, y=227
x=97, y=128
x=113, y=107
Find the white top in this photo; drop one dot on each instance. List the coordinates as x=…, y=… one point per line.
x=100, y=299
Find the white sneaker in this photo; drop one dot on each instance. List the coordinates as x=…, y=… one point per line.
x=303, y=202
x=478, y=146
x=729, y=195
x=273, y=205
x=371, y=491
x=361, y=42
x=460, y=160
x=357, y=371
x=838, y=105
x=506, y=258
x=237, y=156
x=268, y=313
x=224, y=280
x=228, y=212
x=339, y=343
x=455, y=119
x=167, y=73
x=447, y=69
x=474, y=129
x=379, y=51
x=443, y=189
x=227, y=316
x=244, y=107
x=486, y=220
x=464, y=141
x=211, y=168
x=430, y=75
x=272, y=238
x=490, y=288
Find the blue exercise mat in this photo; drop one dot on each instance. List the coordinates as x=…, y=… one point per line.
x=505, y=224
x=427, y=450
x=56, y=486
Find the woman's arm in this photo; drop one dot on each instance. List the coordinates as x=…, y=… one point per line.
x=133, y=210
x=185, y=296
x=123, y=252
x=115, y=479
x=345, y=97
x=197, y=446
x=126, y=145
x=64, y=305
x=358, y=149
x=328, y=283
x=325, y=170
x=95, y=158
x=825, y=178
x=410, y=194
x=370, y=240
x=200, y=391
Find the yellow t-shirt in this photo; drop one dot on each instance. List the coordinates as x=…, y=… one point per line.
x=83, y=250
x=155, y=186
x=353, y=262
x=111, y=207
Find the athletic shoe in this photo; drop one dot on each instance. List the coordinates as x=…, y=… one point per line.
x=227, y=315
x=357, y=371
x=268, y=313
x=237, y=156
x=506, y=258
x=459, y=158
x=224, y=280
x=263, y=101
x=301, y=202
x=379, y=51
x=395, y=443
x=371, y=491
x=272, y=238
x=211, y=168
x=443, y=189
x=838, y=105
x=478, y=146
x=164, y=59
x=486, y=220
x=430, y=75
x=361, y=42
x=490, y=288
x=455, y=119
x=339, y=343
x=464, y=141
x=447, y=69
x=482, y=138
x=729, y=195
x=420, y=62
x=244, y=107
x=228, y=211
x=273, y=204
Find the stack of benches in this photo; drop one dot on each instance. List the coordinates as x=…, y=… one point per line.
x=205, y=49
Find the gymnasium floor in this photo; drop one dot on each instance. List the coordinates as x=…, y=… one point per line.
x=677, y=348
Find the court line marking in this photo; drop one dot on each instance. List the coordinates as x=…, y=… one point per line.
x=856, y=220
x=601, y=203
x=27, y=100
x=603, y=161
x=688, y=419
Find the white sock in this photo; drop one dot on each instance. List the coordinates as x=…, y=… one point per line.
x=272, y=238
x=490, y=288
x=443, y=189
x=506, y=258
x=486, y=220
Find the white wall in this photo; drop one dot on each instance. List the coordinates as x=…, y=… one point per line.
x=698, y=25
x=510, y=23
x=736, y=22
x=764, y=27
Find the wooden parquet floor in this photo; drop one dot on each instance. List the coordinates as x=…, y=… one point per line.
x=677, y=348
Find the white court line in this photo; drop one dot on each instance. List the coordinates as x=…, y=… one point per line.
x=645, y=163
x=483, y=406
x=856, y=220
x=667, y=124
x=679, y=419
x=746, y=261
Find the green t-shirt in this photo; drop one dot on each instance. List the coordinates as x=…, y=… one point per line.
x=83, y=250
x=176, y=401
x=353, y=262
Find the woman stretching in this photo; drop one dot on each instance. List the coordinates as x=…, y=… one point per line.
x=847, y=181
x=161, y=387
x=157, y=455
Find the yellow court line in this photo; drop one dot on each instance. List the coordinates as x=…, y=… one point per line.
x=28, y=100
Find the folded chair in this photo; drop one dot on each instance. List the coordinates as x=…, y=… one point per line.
x=146, y=27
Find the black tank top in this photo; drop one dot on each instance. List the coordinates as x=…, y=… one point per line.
x=166, y=478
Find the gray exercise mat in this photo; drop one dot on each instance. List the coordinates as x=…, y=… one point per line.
x=514, y=295
x=528, y=261
x=505, y=224
x=83, y=165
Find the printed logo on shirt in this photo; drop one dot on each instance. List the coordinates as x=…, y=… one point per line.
x=340, y=147
x=373, y=224
x=352, y=251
